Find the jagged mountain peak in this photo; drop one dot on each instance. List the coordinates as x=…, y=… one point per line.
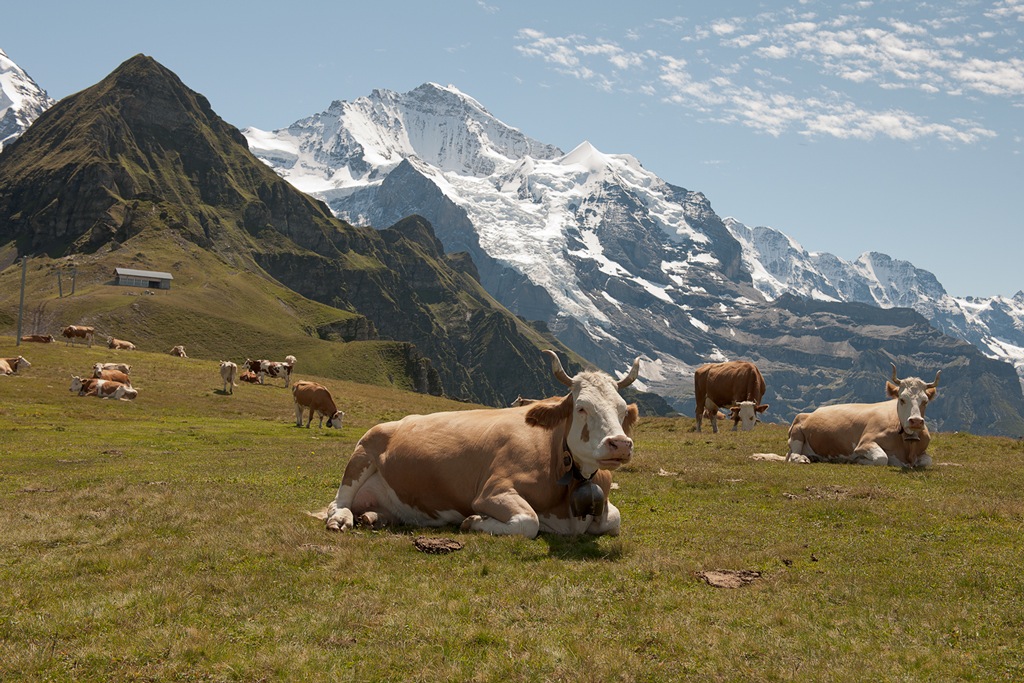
x=21, y=100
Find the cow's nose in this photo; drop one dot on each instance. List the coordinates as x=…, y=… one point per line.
x=619, y=444
x=916, y=423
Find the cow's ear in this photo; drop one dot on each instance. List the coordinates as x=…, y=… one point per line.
x=892, y=390
x=735, y=410
x=549, y=413
x=931, y=393
x=762, y=408
x=632, y=417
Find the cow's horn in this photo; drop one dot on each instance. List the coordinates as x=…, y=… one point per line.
x=631, y=377
x=556, y=368
x=932, y=385
x=895, y=379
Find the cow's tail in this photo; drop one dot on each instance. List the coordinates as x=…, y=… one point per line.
x=768, y=457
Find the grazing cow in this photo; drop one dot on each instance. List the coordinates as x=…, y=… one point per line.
x=736, y=384
x=178, y=351
x=317, y=398
x=539, y=467
x=103, y=388
x=888, y=433
x=120, y=344
x=123, y=367
x=73, y=332
x=10, y=366
x=40, y=338
x=250, y=377
x=228, y=373
x=111, y=375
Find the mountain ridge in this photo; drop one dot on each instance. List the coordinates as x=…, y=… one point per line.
x=613, y=259
x=140, y=152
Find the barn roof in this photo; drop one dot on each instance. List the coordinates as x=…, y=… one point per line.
x=147, y=274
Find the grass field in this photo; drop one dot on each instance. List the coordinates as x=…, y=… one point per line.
x=167, y=539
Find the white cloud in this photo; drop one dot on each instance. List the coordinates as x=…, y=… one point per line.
x=849, y=76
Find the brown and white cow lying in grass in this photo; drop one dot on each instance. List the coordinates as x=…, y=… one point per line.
x=250, y=377
x=317, y=399
x=10, y=366
x=111, y=375
x=120, y=344
x=123, y=367
x=229, y=373
x=514, y=471
x=103, y=388
x=888, y=433
x=38, y=338
x=178, y=351
x=73, y=332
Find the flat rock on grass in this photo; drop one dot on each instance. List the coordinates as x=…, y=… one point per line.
x=729, y=578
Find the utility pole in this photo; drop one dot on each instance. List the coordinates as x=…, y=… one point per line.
x=60, y=285
x=74, y=274
x=21, y=305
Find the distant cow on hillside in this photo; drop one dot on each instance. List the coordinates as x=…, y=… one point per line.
x=120, y=344
x=178, y=351
x=38, y=338
x=10, y=366
x=73, y=332
x=228, y=373
x=317, y=399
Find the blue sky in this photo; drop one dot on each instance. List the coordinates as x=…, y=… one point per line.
x=863, y=126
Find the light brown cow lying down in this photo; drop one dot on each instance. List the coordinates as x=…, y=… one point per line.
x=123, y=367
x=103, y=388
x=112, y=375
x=10, y=366
x=120, y=344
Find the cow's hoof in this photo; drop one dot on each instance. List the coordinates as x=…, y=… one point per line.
x=340, y=520
x=798, y=458
x=468, y=522
x=369, y=520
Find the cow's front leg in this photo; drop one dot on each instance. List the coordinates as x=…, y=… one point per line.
x=358, y=471
x=870, y=454
x=797, y=446
x=608, y=523
x=505, y=514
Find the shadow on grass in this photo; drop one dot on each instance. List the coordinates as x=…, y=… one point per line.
x=582, y=547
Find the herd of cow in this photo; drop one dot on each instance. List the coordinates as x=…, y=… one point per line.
x=545, y=464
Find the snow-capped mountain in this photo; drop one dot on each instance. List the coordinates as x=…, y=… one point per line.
x=778, y=265
x=616, y=261
x=21, y=100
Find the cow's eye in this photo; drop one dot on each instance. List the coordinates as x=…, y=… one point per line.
x=903, y=401
x=581, y=411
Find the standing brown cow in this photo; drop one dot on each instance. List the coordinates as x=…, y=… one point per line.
x=73, y=332
x=735, y=384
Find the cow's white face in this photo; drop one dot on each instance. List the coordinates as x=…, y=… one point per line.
x=597, y=438
x=76, y=384
x=745, y=413
x=912, y=396
x=334, y=421
x=23, y=362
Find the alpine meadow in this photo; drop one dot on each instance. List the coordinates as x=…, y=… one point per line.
x=180, y=535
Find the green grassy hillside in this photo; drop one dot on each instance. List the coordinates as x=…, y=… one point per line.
x=215, y=310
x=167, y=539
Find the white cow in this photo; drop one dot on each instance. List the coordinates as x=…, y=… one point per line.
x=229, y=373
